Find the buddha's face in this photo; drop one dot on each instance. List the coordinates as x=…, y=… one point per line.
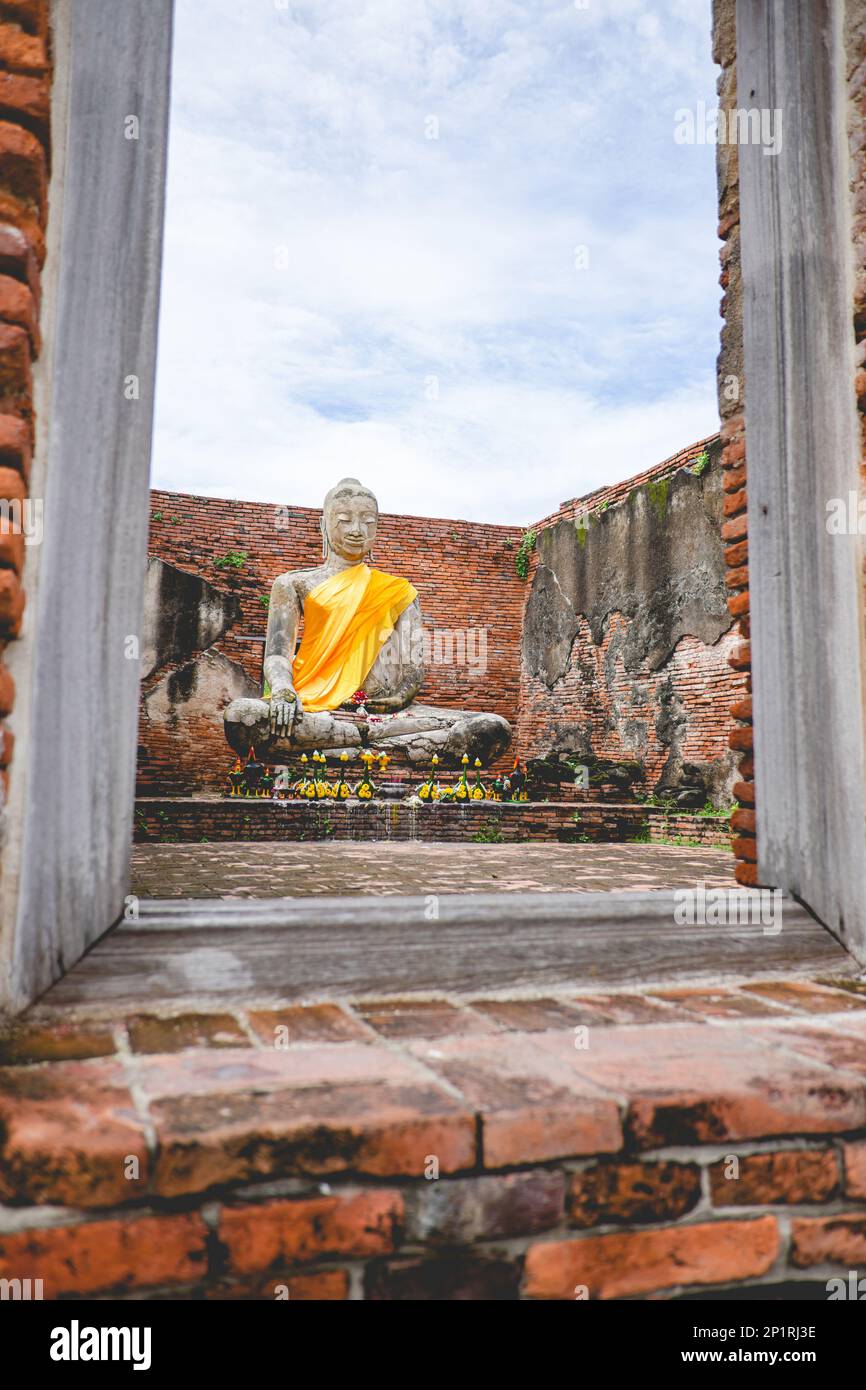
x=350, y=525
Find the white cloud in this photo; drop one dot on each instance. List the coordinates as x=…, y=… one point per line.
x=324, y=259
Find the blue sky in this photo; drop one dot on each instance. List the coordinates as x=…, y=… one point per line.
x=371, y=251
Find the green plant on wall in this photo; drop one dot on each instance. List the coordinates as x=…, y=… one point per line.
x=658, y=496
x=265, y=600
x=700, y=464
x=232, y=560
x=524, y=550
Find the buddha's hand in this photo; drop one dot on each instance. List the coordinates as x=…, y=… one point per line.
x=285, y=708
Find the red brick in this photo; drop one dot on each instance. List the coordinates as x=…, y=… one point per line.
x=741, y=657
x=66, y=1132
x=744, y=820
x=735, y=529
x=747, y=875
x=97, y=1256
x=744, y=791
x=11, y=603
x=11, y=545
x=20, y=52
x=324, y=1110
x=404, y=1018
x=15, y=444
x=313, y=1023
x=533, y=1108
x=641, y=1262
x=30, y=15
x=23, y=1042
x=734, y=478
x=17, y=306
x=829, y=1240
x=733, y=453
x=26, y=101
x=738, y=578
x=735, y=502
x=22, y=164
x=716, y=1003
x=688, y=1083
x=150, y=1033
x=742, y=709
x=741, y=739
x=854, y=1159
x=732, y=427
x=737, y=554
x=745, y=847
x=739, y=604
x=7, y=691
x=630, y=1193
x=806, y=997
x=788, y=1176
x=16, y=386
x=284, y=1233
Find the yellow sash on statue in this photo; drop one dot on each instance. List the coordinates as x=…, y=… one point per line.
x=347, y=620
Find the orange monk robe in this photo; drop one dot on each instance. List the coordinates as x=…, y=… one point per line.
x=347, y=620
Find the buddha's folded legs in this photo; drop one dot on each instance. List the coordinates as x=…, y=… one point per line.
x=417, y=733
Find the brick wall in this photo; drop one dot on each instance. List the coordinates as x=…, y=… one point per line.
x=193, y=820
x=460, y=1149
x=607, y=701
x=25, y=69
x=731, y=386
x=464, y=573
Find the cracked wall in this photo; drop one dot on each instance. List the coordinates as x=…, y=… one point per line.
x=627, y=631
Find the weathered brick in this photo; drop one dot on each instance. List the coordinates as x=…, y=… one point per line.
x=736, y=528
x=97, y=1256
x=281, y=1233
x=854, y=1161
x=462, y=1210
x=22, y=164
x=630, y=1193
x=744, y=820
x=150, y=1033
x=313, y=1023
x=738, y=604
x=404, y=1018
x=829, y=1240
x=66, y=1133
x=7, y=691
x=26, y=100
x=788, y=1176
x=455, y=1278
x=15, y=444
x=17, y=306
x=532, y=1107
x=742, y=709
x=11, y=603
x=22, y=1042
x=642, y=1262
x=20, y=52
x=734, y=503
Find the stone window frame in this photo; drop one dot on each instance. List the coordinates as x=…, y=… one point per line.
x=67, y=853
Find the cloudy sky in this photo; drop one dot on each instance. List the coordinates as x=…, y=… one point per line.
x=447, y=246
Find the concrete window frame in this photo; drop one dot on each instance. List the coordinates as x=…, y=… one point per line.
x=65, y=871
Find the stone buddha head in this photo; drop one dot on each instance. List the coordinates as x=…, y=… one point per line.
x=350, y=514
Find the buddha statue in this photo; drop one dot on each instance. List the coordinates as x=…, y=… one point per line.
x=362, y=643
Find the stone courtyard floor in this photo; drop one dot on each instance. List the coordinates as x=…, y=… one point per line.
x=289, y=869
